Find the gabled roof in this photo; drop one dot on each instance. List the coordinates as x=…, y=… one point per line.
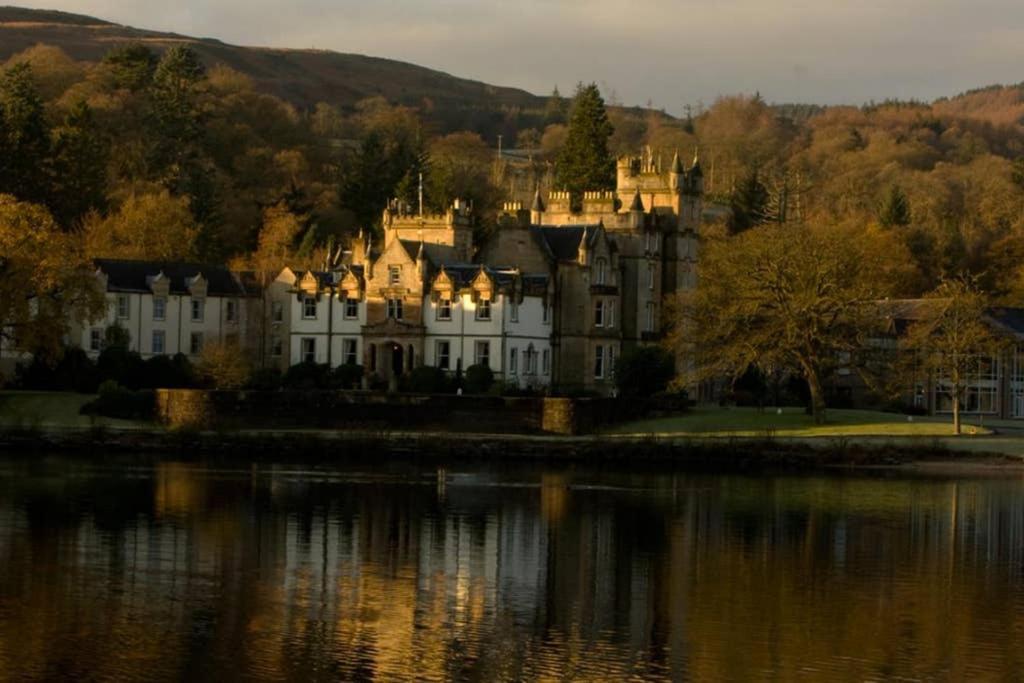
x=436, y=255
x=562, y=243
x=136, y=276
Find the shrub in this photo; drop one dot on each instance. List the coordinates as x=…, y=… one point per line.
x=427, y=379
x=308, y=376
x=116, y=401
x=479, y=379
x=348, y=376
x=74, y=371
x=266, y=379
x=643, y=371
x=223, y=365
x=169, y=372
x=122, y=366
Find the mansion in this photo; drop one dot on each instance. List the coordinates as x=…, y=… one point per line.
x=549, y=301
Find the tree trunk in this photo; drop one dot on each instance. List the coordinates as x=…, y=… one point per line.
x=956, y=413
x=817, y=395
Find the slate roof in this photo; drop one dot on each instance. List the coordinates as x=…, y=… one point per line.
x=562, y=243
x=135, y=276
x=1010, y=319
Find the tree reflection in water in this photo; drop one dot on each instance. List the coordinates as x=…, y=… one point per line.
x=180, y=570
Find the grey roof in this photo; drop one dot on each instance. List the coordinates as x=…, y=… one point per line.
x=436, y=255
x=562, y=243
x=135, y=276
x=637, y=203
x=1009, y=318
x=538, y=202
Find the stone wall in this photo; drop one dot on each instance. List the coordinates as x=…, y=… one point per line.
x=198, y=409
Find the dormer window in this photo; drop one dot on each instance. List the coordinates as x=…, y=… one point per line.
x=351, y=308
x=394, y=275
x=600, y=271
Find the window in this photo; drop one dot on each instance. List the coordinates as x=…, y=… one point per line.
x=483, y=309
x=351, y=308
x=599, y=362
x=348, y=351
x=650, y=276
x=482, y=351
x=159, y=308
x=308, y=350
x=276, y=346
x=649, y=322
x=611, y=361
x=395, y=309
x=513, y=361
x=530, y=361
x=545, y=361
x=198, y=308
x=309, y=308
x=277, y=311
x=444, y=350
x=195, y=343
x=158, y=341
x=599, y=313
x=444, y=309
x=547, y=313
x=123, y=306
x=95, y=339
x=513, y=310
x=610, y=315
x=394, y=275
x=231, y=311
x=652, y=242
x=600, y=271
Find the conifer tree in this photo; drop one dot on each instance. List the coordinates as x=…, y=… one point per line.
x=748, y=204
x=26, y=143
x=554, y=110
x=80, y=156
x=895, y=209
x=585, y=162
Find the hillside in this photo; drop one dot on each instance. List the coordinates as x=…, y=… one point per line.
x=302, y=77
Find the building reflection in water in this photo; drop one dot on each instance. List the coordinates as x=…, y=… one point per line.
x=186, y=571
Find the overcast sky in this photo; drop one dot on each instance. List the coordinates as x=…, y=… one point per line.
x=671, y=52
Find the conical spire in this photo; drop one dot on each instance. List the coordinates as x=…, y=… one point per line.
x=696, y=162
x=638, y=203
x=538, y=203
x=677, y=165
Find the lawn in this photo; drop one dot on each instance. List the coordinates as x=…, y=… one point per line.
x=792, y=422
x=38, y=409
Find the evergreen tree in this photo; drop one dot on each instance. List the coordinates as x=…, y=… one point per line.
x=895, y=209
x=176, y=115
x=585, y=162
x=554, y=110
x=80, y=156
x=26, y=143
x=748, y=204
x=365, y=187
x=131, y=66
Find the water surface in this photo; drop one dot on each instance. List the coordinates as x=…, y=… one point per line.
x=171, y=570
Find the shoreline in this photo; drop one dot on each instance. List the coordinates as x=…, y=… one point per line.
x=743, y=453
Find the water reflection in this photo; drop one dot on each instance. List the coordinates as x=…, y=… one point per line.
x=181, y=571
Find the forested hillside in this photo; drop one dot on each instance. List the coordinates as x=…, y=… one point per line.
x=178, y=153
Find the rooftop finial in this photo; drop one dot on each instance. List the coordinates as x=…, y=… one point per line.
x=538, y=202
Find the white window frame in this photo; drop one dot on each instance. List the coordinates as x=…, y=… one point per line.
x=307, y=303
x=162, y=336
x=650, y=276
x=307, y=355
x=195, y=343
x=600, y=271
x=599, y=361
x=546, y=313
x=545, y=361
x=197, y=310
x=350, y=351
x=395, y=308
x=96, y=339
x=444, y=309
x=351, y=308
x=482, y=352
x=159, y=308
x=231, y=311
x=394, y=276
x=277, y=311
x=483, y=310
x=124, y=307
x=599, y=313
x=513, y=361
x=276, y=346
x=443, y=351
x=610, y=314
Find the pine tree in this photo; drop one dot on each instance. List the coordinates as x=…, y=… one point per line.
x=26, y=143
x=585, y=162
x=131, y=66
x=554, y=110
x=748, y=204
x=80, y=156
x=895, y=209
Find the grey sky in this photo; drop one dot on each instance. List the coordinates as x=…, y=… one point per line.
x=671, y=52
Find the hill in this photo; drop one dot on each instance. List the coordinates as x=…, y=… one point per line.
x=302, y=77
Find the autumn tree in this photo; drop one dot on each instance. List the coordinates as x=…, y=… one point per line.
x=951, y=339
x=153, y=226
x=585, y=163
x=223, y=365
x=46, y=283
x=794, y=298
